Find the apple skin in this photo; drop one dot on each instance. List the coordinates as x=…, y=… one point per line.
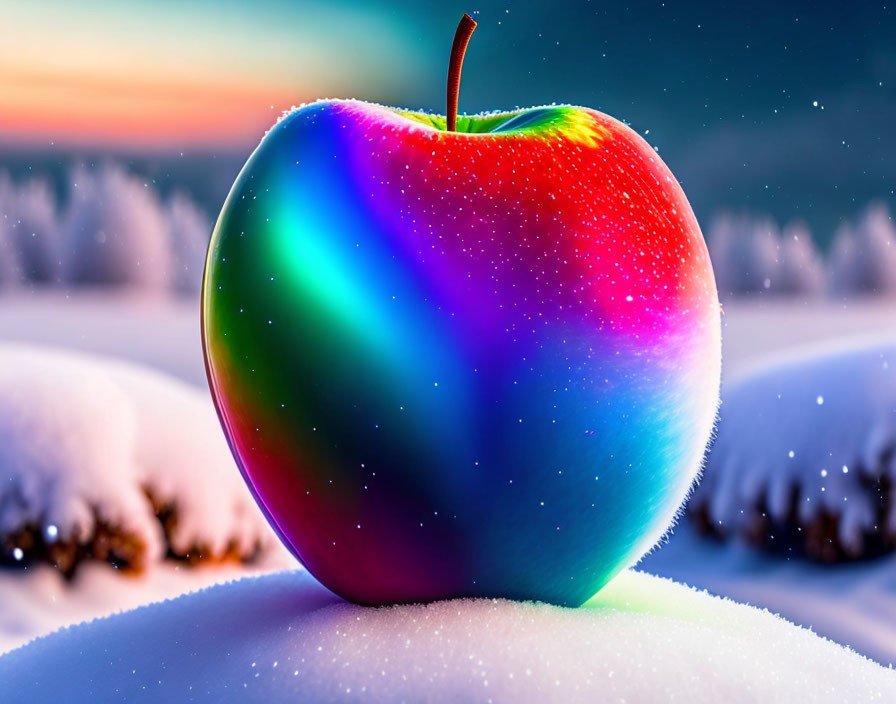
x=481, y=363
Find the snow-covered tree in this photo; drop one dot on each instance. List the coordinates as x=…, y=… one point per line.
x=32, y=230
x=9, y=255
x=190, y=232
x=863, y=258
x=800, y=268
x=751, y=257
x=115, y=232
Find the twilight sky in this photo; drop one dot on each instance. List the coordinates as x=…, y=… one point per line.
x=786, y=107
x=182, y=74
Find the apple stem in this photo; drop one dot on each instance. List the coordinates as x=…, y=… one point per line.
x=461, y=38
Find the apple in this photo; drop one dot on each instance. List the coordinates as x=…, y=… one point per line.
x=459, y=363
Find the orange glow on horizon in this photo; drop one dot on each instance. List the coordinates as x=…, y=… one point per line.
x=184, y=75
x=83, y=108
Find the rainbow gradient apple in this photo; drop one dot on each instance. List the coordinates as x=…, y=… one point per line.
x=480, y=361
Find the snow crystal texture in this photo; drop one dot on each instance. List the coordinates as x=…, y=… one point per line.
x=283, y=637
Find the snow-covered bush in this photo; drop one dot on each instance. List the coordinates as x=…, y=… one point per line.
x=104, y=460
x=805, y=455
x=863, y=258
x=750, y=257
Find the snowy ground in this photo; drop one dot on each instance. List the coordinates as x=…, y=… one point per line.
x=752, y=331
x=40, y=601
x=159, y=332
x=854, y=604
x=165, y=334
x=282, y=637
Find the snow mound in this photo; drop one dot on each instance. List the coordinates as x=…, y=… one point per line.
x=851, y=604
x=805, y=455
x=40, y=600
x=283, y=637
x=102, y=459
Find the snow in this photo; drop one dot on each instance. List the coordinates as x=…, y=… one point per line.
x=281, y=637
x=158, y=332
x=853, y=603
x=758, y=329
x=63, y=439
x=83, y=438
x=39, y=600
x=818, y=428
